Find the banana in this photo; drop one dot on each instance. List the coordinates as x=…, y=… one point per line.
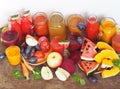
x=62, y=74
x=46, y=73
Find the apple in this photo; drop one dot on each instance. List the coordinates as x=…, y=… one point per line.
x=54, y=59
x=62, y=74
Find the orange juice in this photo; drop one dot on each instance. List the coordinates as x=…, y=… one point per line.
x=13, y=55
x=73, y=21
x=107, y=29
x=57, y=26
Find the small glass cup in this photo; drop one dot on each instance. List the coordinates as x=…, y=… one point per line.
x=10, y=37
x=57, y=27
x=40, y=22
x=13, y=55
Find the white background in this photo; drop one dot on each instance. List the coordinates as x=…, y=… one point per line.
x=107, y=8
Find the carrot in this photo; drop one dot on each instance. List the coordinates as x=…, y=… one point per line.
x=27, y=65
x=25, y=71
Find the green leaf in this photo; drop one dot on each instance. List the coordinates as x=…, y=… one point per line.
x=17, y=74
x=116, y=63
x=78, y=79
x=36, y=74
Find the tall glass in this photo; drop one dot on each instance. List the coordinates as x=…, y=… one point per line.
x=41, y=24
x=107, y=29
x=13, y=55
x=57, y=27
x=73, y=21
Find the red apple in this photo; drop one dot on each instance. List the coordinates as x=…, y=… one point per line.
x=54, y=59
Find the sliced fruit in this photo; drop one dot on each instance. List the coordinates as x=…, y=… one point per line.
x=46, y=73
x=88, y=49
x=31, y=41
x=103, y=45
x=106, y=63
x=89, y=67
x=109, y=73
x=106, y=54
x=65, y=43
x=62, y=74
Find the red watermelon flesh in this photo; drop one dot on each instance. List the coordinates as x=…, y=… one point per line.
x=88, y=50
x=89, y=67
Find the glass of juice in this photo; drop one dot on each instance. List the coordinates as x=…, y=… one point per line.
x=57, y=27
x=107, y=29
x=10, y=37
x=92, y=28
x=13, y=55
x=40, y=22
x=72, y=22
x=116, y=43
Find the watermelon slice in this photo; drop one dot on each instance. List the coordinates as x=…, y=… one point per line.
x=65, y=43
x=88, y=50
x=89, y=67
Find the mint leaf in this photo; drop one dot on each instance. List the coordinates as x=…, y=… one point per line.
x=116, y=63
x=17, y=74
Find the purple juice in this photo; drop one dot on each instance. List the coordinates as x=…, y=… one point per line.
x=10, y=37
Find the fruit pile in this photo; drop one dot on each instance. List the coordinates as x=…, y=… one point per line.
x=91, y=56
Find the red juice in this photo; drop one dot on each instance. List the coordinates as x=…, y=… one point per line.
x=10, y=37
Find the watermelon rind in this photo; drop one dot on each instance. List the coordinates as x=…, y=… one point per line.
x=14, y=17
x=86, y=59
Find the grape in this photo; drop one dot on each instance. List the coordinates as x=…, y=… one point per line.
x=72, y=36
x=22, y=49
x=92, y=79
x=32, y=60
x=2, y=56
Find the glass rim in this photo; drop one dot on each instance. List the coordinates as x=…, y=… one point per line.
x=56, y=13
x=108, y=19
x=40, y=13
x=74, y=15
x=2, y=36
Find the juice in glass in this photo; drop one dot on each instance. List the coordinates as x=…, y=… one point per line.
x=10, y=37
x=13, y=55
x=40, y=22
x=92, y=28
x=57, y=27
x=107, y=29
x=116, y=43
x=73, y=21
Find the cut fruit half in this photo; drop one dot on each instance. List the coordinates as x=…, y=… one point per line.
x=65, y=43
x=31, y=41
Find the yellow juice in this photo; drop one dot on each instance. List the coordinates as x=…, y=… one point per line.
x=107, y=30
x=57, y=26
x=13, y=55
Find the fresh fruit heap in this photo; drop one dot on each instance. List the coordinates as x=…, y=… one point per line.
x=98, y=58
x=64, y=55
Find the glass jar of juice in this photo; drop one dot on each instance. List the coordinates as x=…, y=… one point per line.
x=92, y=28
x=107, y=29
x=13, y=55
x=10, y=37
x=57, y=27
x=73, y=21
x=40, y=22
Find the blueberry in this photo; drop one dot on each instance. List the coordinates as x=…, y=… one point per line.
x=22, y=49
x=92, y=79
x=28, y=49
x=2, y=56
x=32, y=60
x=81, y=26
x=80, y=40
